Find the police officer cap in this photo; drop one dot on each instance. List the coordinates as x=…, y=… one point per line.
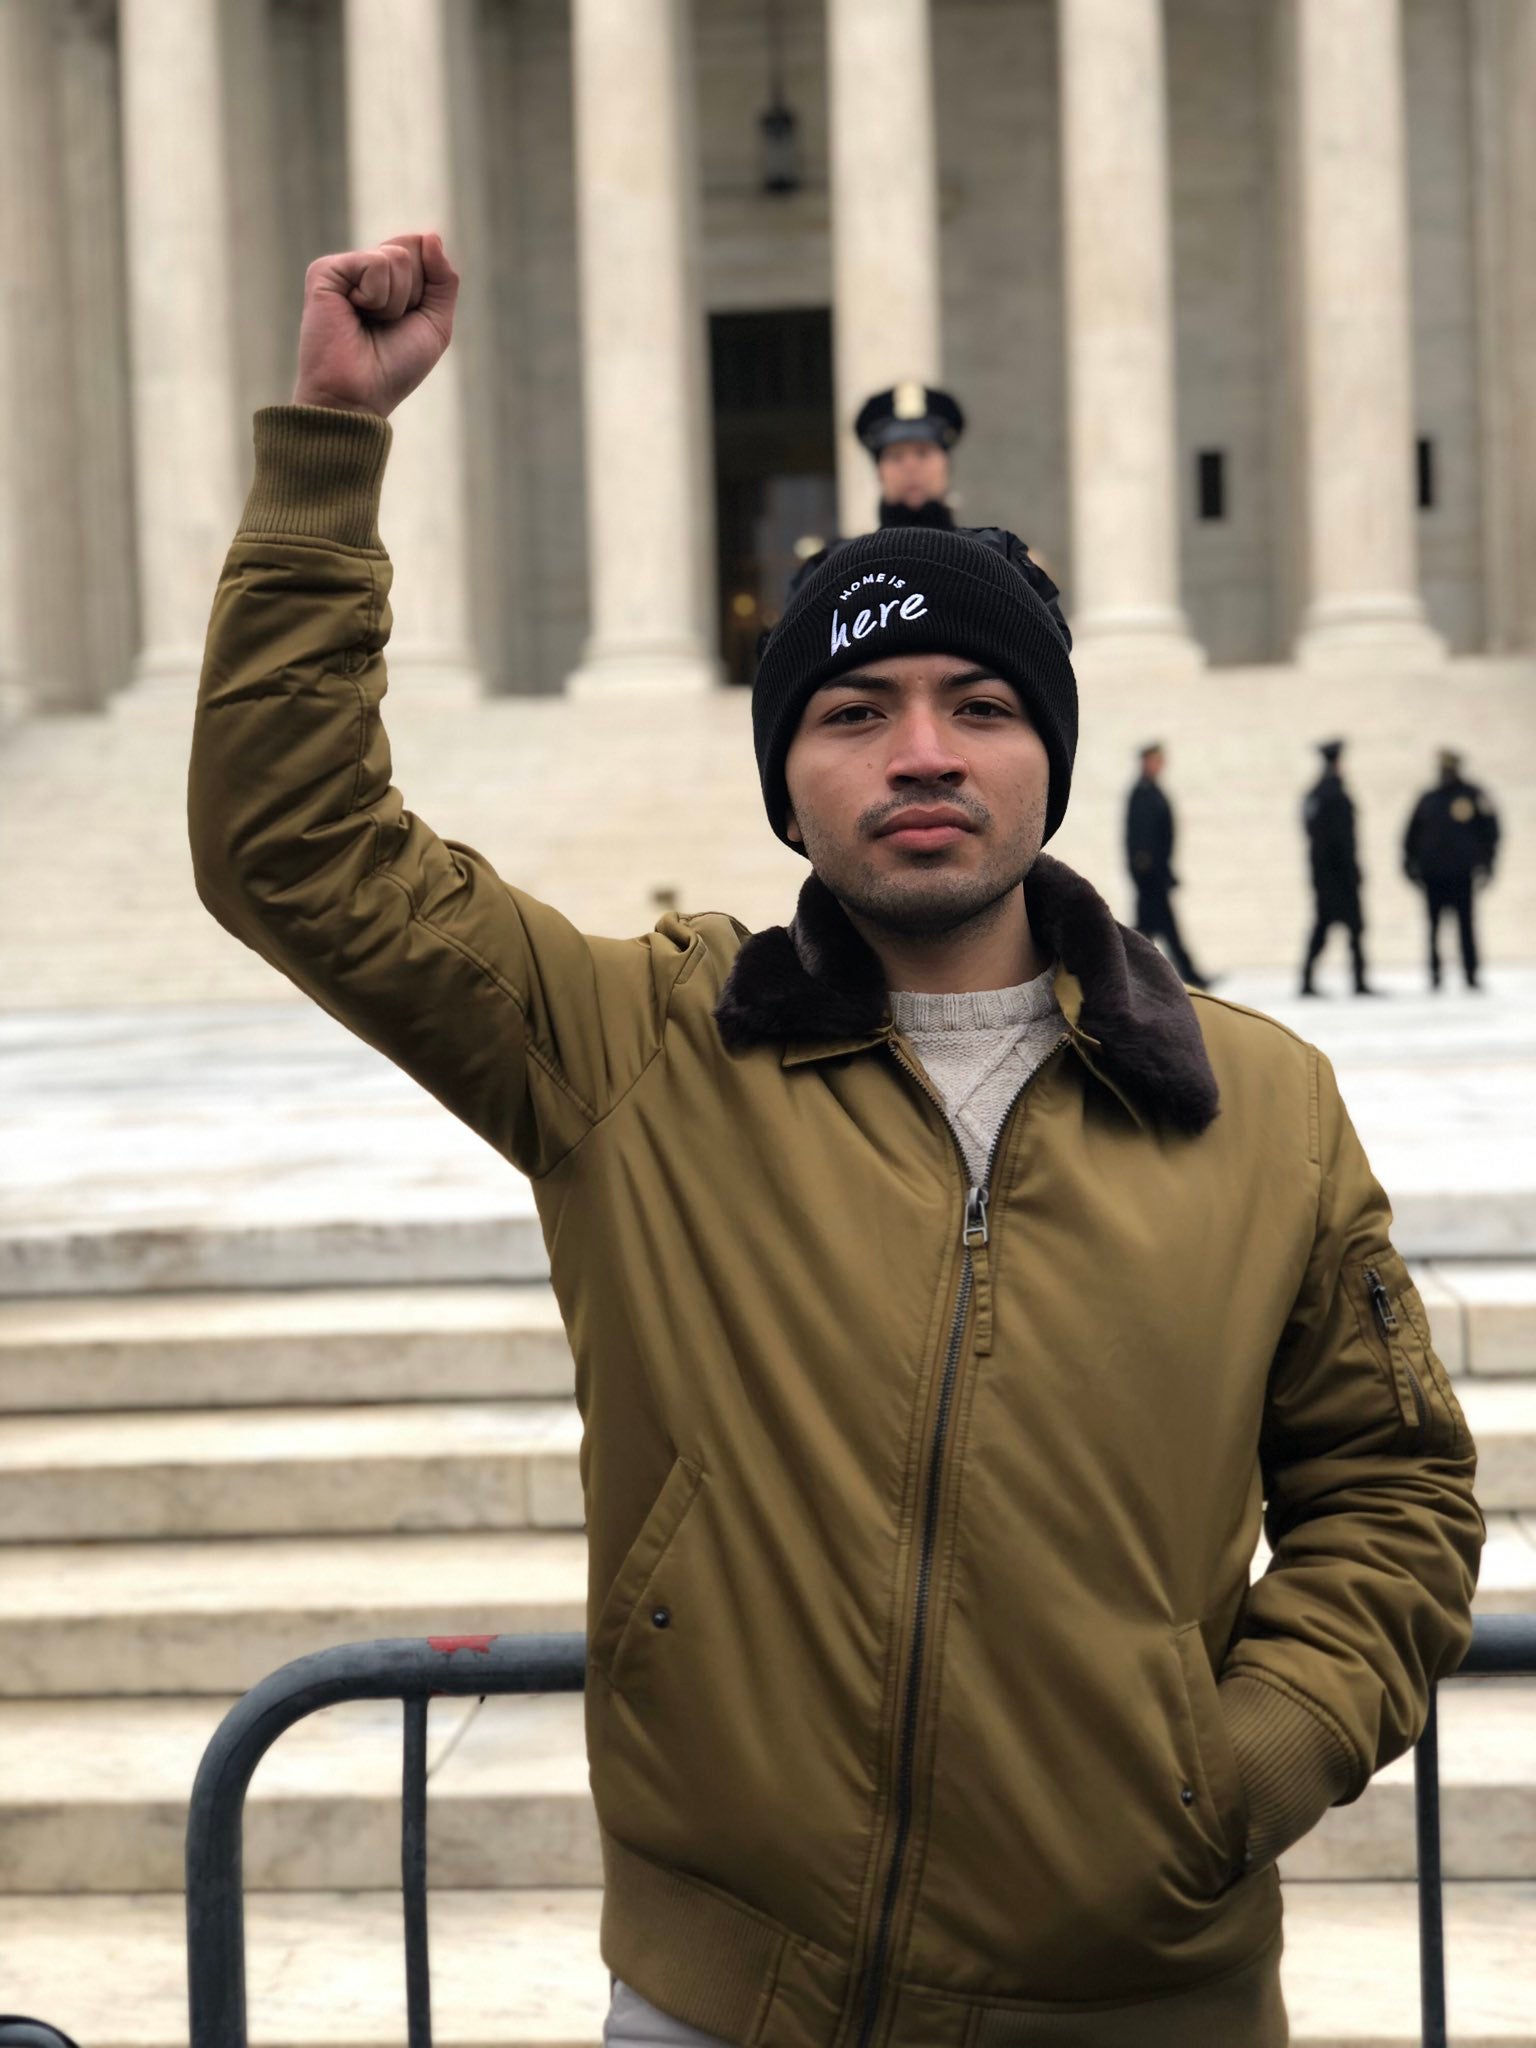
x=1330, y=749
x=909, y=411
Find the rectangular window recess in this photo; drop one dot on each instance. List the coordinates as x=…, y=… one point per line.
x=1211, y=473
x=1425, y=448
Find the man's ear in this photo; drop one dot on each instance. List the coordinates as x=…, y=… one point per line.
x=792, y=830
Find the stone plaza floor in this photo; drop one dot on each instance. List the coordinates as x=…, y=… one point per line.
x=251, y=1118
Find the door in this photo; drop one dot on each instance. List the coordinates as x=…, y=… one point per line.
x=775, y=464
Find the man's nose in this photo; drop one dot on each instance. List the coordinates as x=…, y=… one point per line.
x=923, y=751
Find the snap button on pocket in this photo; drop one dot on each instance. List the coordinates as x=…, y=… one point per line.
x=1187, y=1795
x=661, y=1617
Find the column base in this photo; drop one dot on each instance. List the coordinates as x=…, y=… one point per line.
x=681, y=671
x=1369, y=636
x=1156, y=644
x=441, y=676
x=167, y=671
x=16, y=702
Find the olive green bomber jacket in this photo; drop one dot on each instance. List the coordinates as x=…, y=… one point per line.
x=928, y=1699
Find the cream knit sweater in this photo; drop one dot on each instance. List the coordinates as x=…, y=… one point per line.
x=978, y=1049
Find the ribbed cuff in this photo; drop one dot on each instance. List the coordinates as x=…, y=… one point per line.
x=319, y=472
x=1292, y=1765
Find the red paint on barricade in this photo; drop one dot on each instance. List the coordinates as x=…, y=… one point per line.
x=452, y=1643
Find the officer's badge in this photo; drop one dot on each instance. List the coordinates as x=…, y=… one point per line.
x=909, y=401
x=1463, y=810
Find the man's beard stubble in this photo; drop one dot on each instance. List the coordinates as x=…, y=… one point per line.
x=925, y=900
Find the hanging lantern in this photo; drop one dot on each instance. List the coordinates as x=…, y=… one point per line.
x=778, y=124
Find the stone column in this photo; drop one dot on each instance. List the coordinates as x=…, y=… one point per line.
x=1356, y=373
x=91, y=116
x=642, y=349
x=400, y=171
x=885, y=220
x=1504, y=133
x=43, y=642
x=190, y=467
x=1117, y=242
x=266, y=300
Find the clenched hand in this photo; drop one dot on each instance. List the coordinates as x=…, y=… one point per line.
x=374, y=323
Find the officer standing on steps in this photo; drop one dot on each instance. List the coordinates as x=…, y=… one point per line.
x=1149, y=855
x=1329, y=817
x=1448, y=849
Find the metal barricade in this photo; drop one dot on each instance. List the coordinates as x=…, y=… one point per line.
x=476, y=1666
x=1503, y=1646
x=409, y=1670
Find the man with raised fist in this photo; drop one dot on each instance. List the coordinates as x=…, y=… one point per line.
x=953, y=1297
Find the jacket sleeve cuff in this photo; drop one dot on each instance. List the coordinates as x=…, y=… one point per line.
x=1292, y=1765
x=319, y=472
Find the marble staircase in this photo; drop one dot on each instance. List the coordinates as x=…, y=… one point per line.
x=196, y=1486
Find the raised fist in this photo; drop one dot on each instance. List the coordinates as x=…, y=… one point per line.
x=374, y=323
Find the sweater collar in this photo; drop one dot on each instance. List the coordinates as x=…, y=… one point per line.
x=816, y=989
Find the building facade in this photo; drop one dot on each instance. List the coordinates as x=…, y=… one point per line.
x=1239, y=296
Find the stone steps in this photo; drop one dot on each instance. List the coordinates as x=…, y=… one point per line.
x=521, y=1969
x=420, y=1466
x=495, y=1238
x=213, y=1617
x=246, y=1349
x=425, y=1248
x=93, y=1796
x=256, y=1347
x=299, y=1471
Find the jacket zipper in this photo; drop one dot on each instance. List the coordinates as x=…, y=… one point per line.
x=1386, y=1317
x=974, y=1236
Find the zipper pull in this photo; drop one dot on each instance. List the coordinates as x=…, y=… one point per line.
x=976, y=1236
x=1381, y=1302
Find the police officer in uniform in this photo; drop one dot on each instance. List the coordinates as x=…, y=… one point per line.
x=1449, y=847
x=910, y=430
x=1149, y=855
x=1329, y=817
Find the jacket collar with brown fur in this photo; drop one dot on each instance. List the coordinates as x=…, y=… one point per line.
x=817, y=979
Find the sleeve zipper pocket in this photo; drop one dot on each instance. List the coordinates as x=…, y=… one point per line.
x=1389, y=1325
x=1381, y=1302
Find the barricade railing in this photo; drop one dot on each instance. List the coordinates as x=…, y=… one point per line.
x=413, y=1671
x=1503, y=1646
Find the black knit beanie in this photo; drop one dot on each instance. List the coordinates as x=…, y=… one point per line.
x=920, y=590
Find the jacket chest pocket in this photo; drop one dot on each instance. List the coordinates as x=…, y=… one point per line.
x=1395, y=1330
x=633, y=1602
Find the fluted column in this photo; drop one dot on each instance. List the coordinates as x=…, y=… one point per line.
x=91, y=120
x=40, y=528
x=1117, y=240
x=1356, y=370
x=1504, y=134
x=642, y=349
x=885, y=222
x=400, y=172
x=188, y=448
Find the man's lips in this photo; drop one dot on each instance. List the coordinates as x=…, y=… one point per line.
x=924, y=829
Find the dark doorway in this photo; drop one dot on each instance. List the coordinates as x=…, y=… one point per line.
x=775, y=464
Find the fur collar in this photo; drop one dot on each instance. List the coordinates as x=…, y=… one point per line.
x=816, y=980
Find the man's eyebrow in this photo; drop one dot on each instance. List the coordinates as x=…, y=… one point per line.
x=858, y=679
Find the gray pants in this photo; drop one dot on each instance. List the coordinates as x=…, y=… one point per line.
x=632, y=2023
